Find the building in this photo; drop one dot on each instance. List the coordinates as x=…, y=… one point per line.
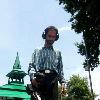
x=15, y=88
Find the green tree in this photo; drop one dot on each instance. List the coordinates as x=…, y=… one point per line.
x=85, y=18
x=77, y=88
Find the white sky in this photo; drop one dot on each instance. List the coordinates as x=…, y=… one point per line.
x=21, y=25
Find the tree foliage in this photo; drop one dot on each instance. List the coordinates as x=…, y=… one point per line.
x=85, y=18
x=77, y=88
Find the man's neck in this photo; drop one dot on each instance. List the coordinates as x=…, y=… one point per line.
x=47, y=45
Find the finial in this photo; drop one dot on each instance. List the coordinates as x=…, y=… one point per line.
x=17, y=63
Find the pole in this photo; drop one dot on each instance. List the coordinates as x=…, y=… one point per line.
x=89, y=69
x=91, y=84
x=61, y=93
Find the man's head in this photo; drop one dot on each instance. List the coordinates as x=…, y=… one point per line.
x=50, y=34
x=49, y=28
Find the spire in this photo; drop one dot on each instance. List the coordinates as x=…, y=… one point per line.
x=17, y=63
x=16, y=75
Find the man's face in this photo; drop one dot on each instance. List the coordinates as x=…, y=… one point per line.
x=51, y=36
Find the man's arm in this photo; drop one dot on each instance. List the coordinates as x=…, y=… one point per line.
x=60, y=66
x=61, y=75
x=32, y=65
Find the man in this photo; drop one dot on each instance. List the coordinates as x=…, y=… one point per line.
x=48, y=59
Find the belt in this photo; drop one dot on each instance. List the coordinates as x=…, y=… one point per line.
x=47, y=71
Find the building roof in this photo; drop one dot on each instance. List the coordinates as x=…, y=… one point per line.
x=14, y=90
x=15, y=87
x=17, y=94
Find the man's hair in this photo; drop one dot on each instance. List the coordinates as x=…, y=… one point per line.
x=49, y=28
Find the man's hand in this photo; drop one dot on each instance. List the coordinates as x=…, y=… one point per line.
x=63, y=89
x=34, y=82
